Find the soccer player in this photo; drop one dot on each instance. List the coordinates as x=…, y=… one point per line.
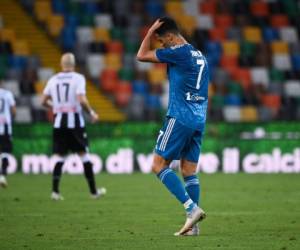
x=181, y=134
x=65, y=94
x=7, y=110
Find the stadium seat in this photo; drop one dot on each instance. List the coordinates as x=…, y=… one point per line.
x=223, y=21
x=95, y=64
x=220, y=76
x=44, y=74
x=288, y=34
x=279, y=47
x=113, y=61
x=270, y=34
x=229, y=62
x=21, y=48
x=109, y=80
x=123, y=93
x=187, y=24
x=55, y=25
x=42, y=10
x=217, y=34
x=205, y=22
x=84, y=34
x=23, y=114
x=208, y=7
x=265, y=114
x=249, y=114
x=233, y=100
x=191, y=7
x=296, y=62
x=234, y=33
x=102, y=35
x=232, y=113
x=276, y=75
x=39, y=87
x=279, y=21
x=252, y=34
x=7, y=35
x=281, y=62
x=271, y=101
x=259, y=8
x=114, y=47
x=103, y=21
x=174, y=8
x=154, y=9
x=292, y=88
x=12, y=86
x=259, y=75
x=156, y=75
x=242, y=76
x=231, y=48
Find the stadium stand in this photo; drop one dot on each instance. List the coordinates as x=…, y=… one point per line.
x=252, y=48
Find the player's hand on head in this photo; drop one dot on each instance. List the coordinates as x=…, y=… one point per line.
x=155, y=25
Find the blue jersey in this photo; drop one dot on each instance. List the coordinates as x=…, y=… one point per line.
x=189, y=77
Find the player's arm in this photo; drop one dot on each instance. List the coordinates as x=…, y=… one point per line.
x=13, y=110
x=46, y=101
x=87, y=107
x=145, y=54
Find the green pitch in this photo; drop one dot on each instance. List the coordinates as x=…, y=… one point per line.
x=244, y=212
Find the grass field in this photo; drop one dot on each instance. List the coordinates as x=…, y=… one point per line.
x=244, y=212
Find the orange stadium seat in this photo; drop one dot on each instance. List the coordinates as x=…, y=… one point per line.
x=231, y=48
x=20, y=47
x=279, y=47
x=223, y=21
x=113, y=61
x=208, y=7
x=7, y=35
x=229, y=62
x=217, y=34
x=114, y=47
x=271, y=100
x=174, y=8
x=55, y=24
x=102, y=35
x=109, y=80
x=259, y=8
x=242, y=76
x=42, y=10
x=279, y=21
x=187, y=23
x=249, y=114
x=252, y=34
x=123, y=93
x=156, y=75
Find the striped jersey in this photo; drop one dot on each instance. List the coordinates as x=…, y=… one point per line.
x=7, y=101
x=63, y=88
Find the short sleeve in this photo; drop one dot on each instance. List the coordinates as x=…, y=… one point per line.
x=11, y=100
x=167, y=55
x=81, y=86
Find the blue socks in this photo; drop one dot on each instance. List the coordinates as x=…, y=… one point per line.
x=192, y=187
x=173, y=184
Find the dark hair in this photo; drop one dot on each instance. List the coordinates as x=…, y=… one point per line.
x=169, y=25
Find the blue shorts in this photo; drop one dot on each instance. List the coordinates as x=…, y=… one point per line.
x=177, y=141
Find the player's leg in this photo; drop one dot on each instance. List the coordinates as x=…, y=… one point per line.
x=169, y=145
x=5, y=150
x=60, y=148
x=90, y=177
x=188, y=167
x=3, y=169
x=80, y=146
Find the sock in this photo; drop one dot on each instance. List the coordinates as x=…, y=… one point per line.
x=4, y=166
x=192, y=187
x=89, y=175
x=56, y=176
x=173, y=184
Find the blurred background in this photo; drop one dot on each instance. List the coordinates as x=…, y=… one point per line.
x=252, y=47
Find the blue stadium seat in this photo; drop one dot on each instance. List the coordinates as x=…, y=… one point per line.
x=233, y=100
x=154, y=8
x=296, y=62
x=140, y=87
x=58, y=7
x=17, y=62
x=68, y=38
x=270, y=34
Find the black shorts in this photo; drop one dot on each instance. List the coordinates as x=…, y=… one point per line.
x=6, y=144
x=66, y=140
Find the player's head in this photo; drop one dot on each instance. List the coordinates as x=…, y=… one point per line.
x=67, y=62
x=167, y=32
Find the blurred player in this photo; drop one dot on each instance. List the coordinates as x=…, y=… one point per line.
x=65, y=94
x=180, y=136
x=7, y=110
